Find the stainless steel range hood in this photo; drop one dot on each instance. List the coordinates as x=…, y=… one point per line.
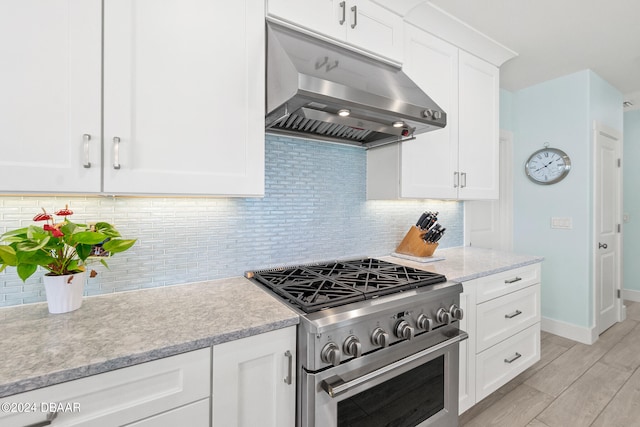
x=322, y=91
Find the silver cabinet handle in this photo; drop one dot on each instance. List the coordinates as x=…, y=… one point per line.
x=50, y=417
x=86, y=138
x=354, y=9
x=456, y=180
x=463, y=176
x=289, y=356
x=116, y=152
x=513, y=358
x=510, y=281
x=344, y=12
x=512, y=315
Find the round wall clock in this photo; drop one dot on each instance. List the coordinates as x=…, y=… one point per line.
x=547, y=166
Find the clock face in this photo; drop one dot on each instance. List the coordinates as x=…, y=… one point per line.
x=547, y=166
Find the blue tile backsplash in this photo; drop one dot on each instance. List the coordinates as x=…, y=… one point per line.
x=314, y=209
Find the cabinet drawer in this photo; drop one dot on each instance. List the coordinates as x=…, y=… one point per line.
x=121, y=396
x=505, y=316
x=192, y=415
x=499, y=284
x=501, y=363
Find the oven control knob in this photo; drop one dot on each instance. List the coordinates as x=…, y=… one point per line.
x=403, y=330
x=380, y=337
x=456, y=312
x=352, y=346
x=330, y=354
x=423, y=322
x=443, y=316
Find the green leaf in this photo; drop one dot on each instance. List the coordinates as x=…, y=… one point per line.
x=32, y=245
x=106, y=228
x=89, y=237
x=8, y=255
x=118, y=245
x=36, y=258
x=83, y=251
x=16, y=232
x=26, y=270
x=104, y=262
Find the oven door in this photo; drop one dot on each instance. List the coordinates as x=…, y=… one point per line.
x=413, y=383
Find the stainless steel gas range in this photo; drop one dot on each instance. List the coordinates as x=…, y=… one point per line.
x=377, y=342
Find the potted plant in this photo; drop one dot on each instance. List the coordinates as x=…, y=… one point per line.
x=62, y=248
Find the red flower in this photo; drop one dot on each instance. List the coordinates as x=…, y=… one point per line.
x=42, y=217
x=53, y=230
x=65, y=212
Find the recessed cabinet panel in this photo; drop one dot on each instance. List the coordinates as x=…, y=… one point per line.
x=50, y=102
x=180, y=95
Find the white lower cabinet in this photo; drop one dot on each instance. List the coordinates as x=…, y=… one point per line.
x=154, y=393
x=254, y=381
x=502, y=318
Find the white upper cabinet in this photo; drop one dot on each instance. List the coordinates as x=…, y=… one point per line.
x=50, y=102
x=479, y=133
x=182, y=103
x=459, y=161
x=360, y=24
x=184, y=97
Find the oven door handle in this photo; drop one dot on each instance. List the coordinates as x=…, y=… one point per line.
x=336, y=386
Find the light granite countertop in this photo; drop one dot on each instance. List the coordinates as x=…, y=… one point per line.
x=467, y=263
x=123, y=329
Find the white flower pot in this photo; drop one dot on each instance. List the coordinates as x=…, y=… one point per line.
x=64, y=293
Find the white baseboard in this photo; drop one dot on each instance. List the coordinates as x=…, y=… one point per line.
x=631, y=295
x=567, y=330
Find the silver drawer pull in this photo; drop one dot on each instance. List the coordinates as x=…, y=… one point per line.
x=343, y=6
x=289, y=356
x=512, y=315
x=510, y=281
x=116, y=152
x=514, y=358
x=86, y=138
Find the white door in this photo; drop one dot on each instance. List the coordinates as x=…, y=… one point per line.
x=254, y=380
x=607, y=222
x=184, y=97
x=50, y=95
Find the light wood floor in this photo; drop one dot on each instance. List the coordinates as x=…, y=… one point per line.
x=573, y=384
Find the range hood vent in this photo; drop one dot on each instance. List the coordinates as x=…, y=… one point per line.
x=319, y=90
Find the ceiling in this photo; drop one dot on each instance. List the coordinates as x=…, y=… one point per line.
x=554, y=38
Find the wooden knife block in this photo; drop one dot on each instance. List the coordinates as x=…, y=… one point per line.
x=413, y=245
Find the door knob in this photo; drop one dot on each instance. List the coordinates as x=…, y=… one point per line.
x=602, y=245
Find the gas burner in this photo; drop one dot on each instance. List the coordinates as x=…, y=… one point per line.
x=330, y=284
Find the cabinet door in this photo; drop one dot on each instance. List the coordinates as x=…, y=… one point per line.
x=375, y=29
x=122, y=396
x=50, y=86
x=249, y=387
x=478, y=136
x=320, y=16
x=430, y=161
x=184, y=97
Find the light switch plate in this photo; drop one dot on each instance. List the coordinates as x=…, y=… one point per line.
x=564, y=223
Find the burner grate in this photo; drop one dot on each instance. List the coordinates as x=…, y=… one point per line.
x=330, y=284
